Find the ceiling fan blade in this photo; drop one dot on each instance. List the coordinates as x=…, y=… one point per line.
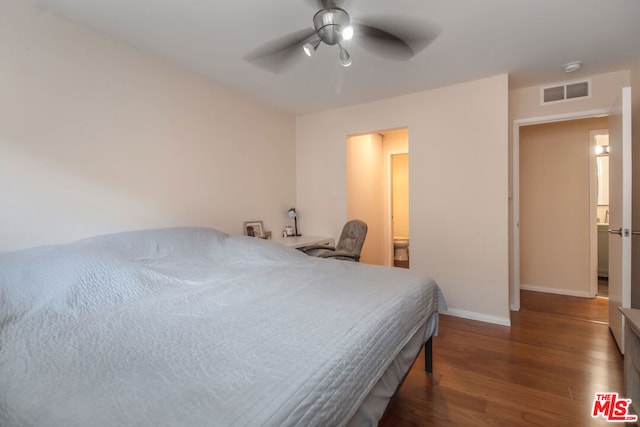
x=382, y=43
x=278, y=54
x=323, y=4
x=399, y=40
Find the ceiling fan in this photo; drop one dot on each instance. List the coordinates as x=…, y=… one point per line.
x=332, y=25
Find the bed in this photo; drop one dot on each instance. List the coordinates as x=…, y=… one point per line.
x=192, y=327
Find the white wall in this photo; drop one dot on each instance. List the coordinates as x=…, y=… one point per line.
x=458, y=184
x=96, y=137
x=525, y=103
x=365, y=192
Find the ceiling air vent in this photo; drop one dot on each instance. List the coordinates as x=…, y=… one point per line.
x=566, y=92
x=577, y=90
x=552, y=94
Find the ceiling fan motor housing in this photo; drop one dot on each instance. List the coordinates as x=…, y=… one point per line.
x=329, y=23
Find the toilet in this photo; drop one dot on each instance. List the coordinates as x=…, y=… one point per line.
x=401, y=249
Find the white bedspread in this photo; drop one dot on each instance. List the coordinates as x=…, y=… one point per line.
x=192, y=327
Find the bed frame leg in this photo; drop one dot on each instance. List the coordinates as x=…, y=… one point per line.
x=428, y=356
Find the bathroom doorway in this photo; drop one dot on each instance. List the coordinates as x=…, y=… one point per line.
x=400, y=209
x=370, y=193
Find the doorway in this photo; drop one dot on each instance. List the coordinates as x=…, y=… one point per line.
x=600, y=144
x=400, y=209
x=370, y=190
x=550, y=216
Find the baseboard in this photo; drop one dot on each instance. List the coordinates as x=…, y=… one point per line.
x=582, y=294
x=496, y=320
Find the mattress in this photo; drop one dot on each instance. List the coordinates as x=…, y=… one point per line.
x=374, y=405
x=195, y=327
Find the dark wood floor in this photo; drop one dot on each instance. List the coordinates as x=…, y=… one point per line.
x=544, y=370
x=603, y=286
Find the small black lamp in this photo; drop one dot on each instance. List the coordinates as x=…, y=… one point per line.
x=292, y=214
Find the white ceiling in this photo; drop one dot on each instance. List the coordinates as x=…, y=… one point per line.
x=529, y=39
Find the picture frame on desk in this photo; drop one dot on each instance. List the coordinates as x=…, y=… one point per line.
x=254, y=229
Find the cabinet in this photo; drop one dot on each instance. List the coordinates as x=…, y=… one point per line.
x=632, y=356
x=603, y=250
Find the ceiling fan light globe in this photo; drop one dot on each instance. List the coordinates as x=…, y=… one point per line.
x=311, y=47
x=308, y=49
x=347, y=33
x=345, y=58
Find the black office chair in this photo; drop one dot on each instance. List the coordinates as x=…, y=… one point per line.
x=349, y=245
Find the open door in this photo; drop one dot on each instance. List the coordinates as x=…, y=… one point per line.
x=619, y=214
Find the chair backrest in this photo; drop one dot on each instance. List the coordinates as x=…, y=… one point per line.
x=352, y=237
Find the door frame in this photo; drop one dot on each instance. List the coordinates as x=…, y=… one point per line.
x=621, y=284
x=515, y=223
x=593, y=206
x=388, y=222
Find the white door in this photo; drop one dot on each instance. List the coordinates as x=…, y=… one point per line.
x=620, y=214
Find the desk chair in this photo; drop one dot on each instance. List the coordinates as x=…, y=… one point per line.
x=349, y=245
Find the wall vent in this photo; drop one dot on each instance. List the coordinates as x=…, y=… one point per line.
x=566, y=92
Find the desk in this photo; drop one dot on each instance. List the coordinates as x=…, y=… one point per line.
x=299, y=242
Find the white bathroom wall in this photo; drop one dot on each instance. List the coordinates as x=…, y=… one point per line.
x=365, y=192
x=400, y=195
